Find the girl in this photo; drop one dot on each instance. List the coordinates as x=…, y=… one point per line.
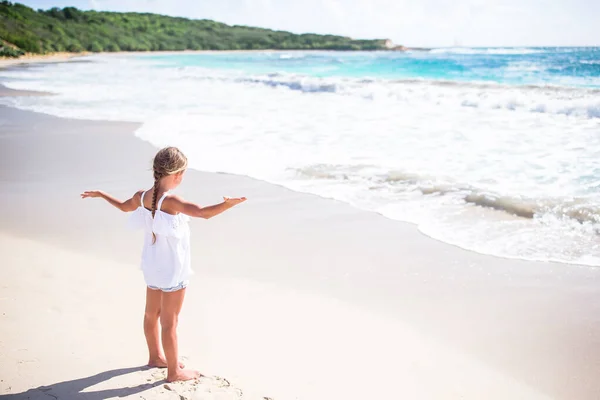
x=166, y=253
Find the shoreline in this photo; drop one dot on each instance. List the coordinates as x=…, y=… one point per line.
x=40, y=59
x=8, y=92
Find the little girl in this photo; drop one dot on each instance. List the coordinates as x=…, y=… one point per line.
x=166, y=253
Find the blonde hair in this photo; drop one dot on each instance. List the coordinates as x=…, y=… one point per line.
x=167, y=161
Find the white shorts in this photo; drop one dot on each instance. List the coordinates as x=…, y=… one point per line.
x=181, y=285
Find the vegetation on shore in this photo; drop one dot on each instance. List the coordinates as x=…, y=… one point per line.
x=10, y=50
x=73, y=30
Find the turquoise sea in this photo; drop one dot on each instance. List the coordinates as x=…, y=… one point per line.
x=570, y=66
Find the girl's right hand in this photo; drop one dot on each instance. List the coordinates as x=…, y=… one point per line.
x=91, y=194
x=234, y=201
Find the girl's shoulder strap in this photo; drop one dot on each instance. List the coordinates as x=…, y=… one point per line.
x=142, y=199
x=159, y=205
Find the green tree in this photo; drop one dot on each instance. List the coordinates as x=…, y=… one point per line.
x=27, y=43
x=95, y=47
x=75, y=47
x=113, y=47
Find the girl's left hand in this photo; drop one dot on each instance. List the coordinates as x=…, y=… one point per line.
x=91, y=194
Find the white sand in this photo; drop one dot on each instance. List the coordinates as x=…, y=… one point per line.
x=295, y=297
x=66, y=336
x=76, y=336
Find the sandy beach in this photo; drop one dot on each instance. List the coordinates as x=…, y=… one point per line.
x=39, y=58
x=288, y=287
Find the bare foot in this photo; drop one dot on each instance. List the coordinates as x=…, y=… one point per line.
x=162, y=363
x=183, y=375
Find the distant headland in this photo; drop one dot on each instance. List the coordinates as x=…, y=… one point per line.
x=25, y=30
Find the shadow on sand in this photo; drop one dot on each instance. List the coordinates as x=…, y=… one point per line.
x=73, y=389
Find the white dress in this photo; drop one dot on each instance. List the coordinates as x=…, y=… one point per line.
x=165, y=263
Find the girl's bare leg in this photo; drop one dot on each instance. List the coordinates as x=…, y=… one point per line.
x=156, y=357
x=169, y=315
x=151, y=316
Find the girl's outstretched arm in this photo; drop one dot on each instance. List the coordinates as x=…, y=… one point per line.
x=177, y=204
x=127, y=205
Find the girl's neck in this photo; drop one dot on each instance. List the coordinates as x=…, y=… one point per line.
x=166, y=186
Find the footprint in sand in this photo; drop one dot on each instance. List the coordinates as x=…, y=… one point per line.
x=216, y=388
x=204, y=388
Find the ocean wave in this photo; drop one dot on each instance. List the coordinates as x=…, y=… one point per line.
x=298, y=81
x=491, y=51
x=509, y=205
x=308, y=85
x=525, y=66
x=578, y=210
x=291, y=56
x=452, y=96
x=574, y=102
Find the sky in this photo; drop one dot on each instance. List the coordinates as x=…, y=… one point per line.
x=428, y=23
